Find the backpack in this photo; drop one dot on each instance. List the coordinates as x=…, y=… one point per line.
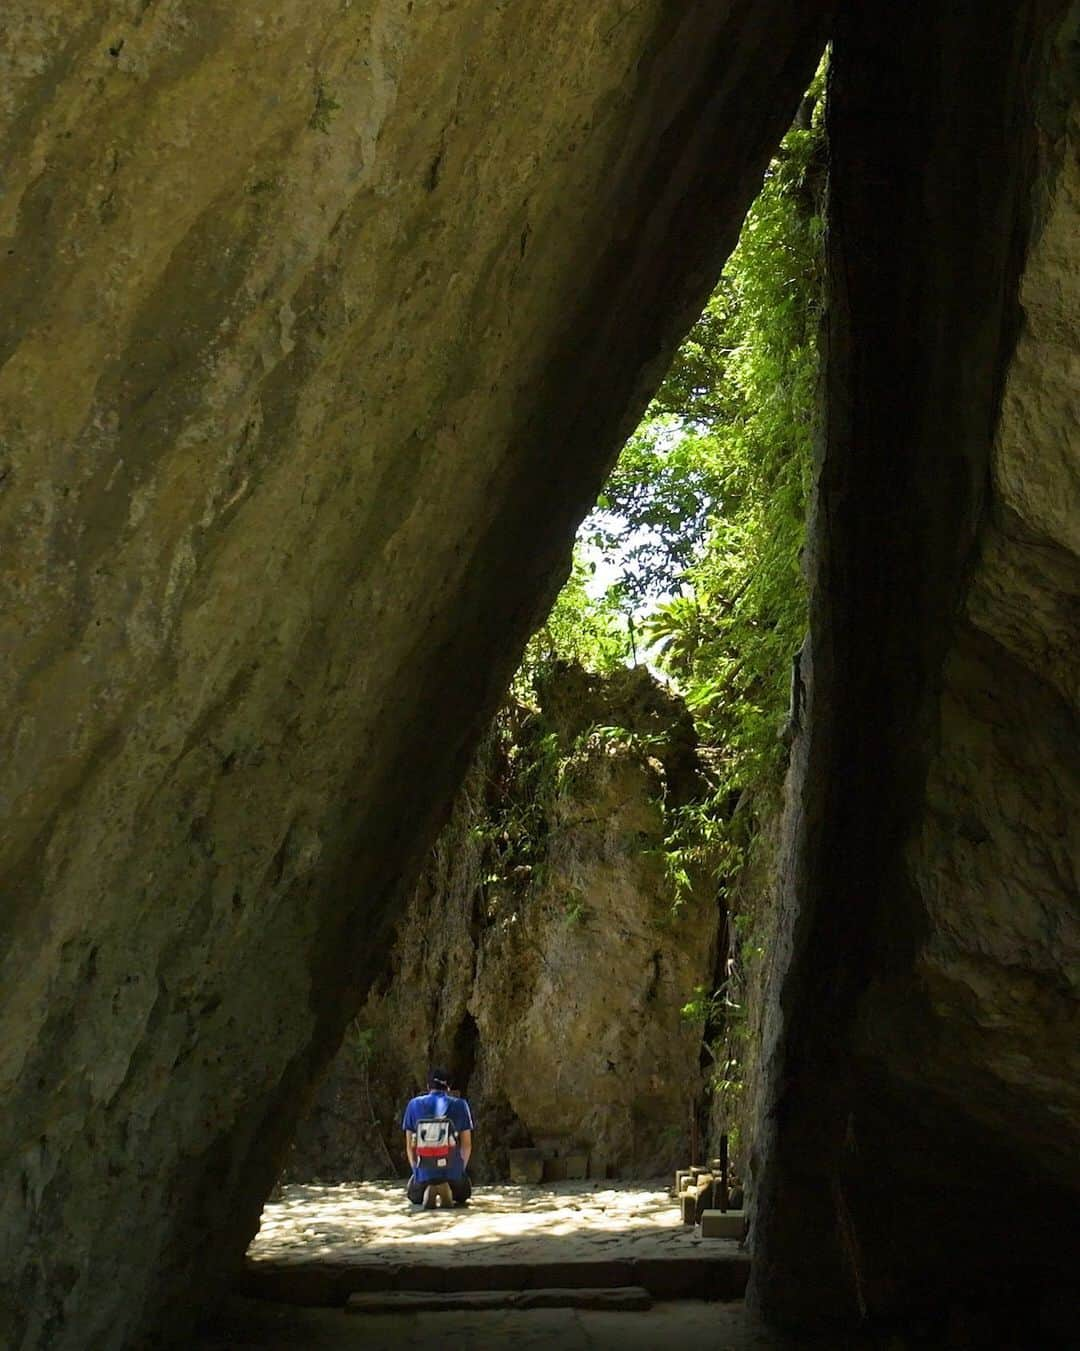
x=435, y=1138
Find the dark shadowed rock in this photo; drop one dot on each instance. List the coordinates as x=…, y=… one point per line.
x=924, y=1031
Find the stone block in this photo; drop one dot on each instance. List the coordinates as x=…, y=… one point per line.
x=621, y=1299
x=577, y=1166
x=723, y=1224
x=714, y=1273
x=526, y=1166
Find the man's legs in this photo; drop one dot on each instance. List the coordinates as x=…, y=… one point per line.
x=429, y=1194
x=417, y=1191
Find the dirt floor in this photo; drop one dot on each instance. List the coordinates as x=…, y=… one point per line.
x=372, y=1223
x=371, y=1226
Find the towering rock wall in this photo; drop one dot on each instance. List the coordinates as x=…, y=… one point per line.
x=319, y=324
x=924, y=1033
x=546, y=955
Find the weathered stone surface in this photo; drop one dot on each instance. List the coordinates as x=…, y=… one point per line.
x=579, y=989
x=575, y=1166
x=526, y=1165
x=924, y=1030
x=688, y=1323
x=319, y=325
x=553, y=988
x=320, y=1244
x=625, y=1297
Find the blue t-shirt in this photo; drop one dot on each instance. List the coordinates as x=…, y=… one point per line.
x=457, y=1112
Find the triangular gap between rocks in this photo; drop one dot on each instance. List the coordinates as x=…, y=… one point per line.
x=584, y=952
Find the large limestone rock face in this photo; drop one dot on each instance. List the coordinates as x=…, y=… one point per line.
x=582, y=976
x=552, y=988
x=924, y=1035
x=318, y=326
x=578, y=999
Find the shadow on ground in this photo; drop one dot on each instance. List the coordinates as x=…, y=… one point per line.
x=687, y=1325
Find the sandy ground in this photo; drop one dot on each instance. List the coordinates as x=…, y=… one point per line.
x=372, y=1222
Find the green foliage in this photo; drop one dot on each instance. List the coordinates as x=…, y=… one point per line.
x=707, y=504
x=701, y=1008
x=704, y=516
x=575, y=909
x=361, y=1044
x=696, y=845
x=705, y=513
x=731, y=637
x=712, y=483
x=523, y=764
x=582, y=629
x=655, y=510
x=628, y=737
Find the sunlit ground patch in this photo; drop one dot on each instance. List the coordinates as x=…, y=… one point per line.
x=374, y=1221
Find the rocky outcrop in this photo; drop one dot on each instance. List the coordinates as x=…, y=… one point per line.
x=923, y=1031
x=319, y=327
x=546, y=955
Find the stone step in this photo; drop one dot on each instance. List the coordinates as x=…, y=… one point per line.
x=620, y=1299
x=719, y=1274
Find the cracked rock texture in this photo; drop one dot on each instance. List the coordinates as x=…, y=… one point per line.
x=924, y=1027
x=319, y=324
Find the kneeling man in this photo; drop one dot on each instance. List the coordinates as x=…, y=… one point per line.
x=438, y=1141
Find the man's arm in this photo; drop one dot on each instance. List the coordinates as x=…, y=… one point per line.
x=465, y=1129
x=408, y=1124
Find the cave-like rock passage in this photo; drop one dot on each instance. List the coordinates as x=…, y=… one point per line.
x=318, y=327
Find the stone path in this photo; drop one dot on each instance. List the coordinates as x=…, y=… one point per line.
x=507, y=1232
x=319, y=1245
x=372, y=1223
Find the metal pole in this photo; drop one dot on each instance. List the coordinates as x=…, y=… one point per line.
x=723, y=1173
